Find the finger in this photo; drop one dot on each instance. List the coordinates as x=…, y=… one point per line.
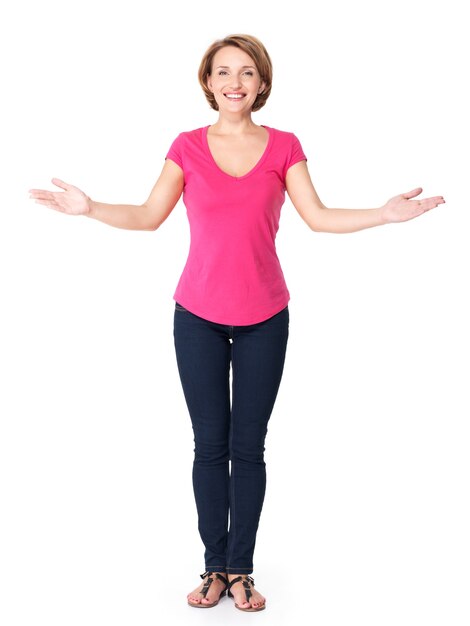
x=51, y=205
x=412, y=193
x=46, y=202
x=435, y=199
x=43, y=194
x=61, y=183
x=38, y=192
x=428, y=203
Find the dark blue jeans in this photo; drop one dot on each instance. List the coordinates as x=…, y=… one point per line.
x=229, y=471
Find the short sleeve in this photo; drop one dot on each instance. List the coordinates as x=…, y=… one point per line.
x=175, y=151
x=297, y=154
x=294, y=154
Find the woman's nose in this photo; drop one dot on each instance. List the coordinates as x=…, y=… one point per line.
x=236, y=82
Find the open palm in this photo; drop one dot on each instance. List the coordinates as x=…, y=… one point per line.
x=72, y=200
x=401, y=208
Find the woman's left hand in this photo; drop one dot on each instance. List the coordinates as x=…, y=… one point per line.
x=401, y=208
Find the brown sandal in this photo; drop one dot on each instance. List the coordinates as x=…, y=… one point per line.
x=205, y=589
x=246, y=582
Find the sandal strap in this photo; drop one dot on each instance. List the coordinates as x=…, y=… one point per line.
x=210, y=580
x=235, y=580
x=223, y=579
x=246, y=581
x=207, y=584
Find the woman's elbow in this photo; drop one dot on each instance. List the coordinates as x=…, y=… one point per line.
x=314, y=219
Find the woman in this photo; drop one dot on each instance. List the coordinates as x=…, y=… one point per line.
x=231, y=309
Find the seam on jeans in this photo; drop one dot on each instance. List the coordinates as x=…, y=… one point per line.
x=232, y=481
x=243, y=568
x=232, y=513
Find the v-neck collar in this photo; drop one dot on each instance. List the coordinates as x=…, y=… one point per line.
x=253, y=169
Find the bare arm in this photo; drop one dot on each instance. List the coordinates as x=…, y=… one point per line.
x=322, y=219
x=153, y=212
x=147, y=216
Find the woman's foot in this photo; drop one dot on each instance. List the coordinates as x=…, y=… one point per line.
x=256, y=601
x=216, y=587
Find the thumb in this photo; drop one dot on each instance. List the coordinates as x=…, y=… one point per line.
x=413, y=193
x=61, y=183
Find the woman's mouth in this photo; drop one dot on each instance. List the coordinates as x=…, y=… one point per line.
x=234, y=96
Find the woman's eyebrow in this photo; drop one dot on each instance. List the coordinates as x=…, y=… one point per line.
x=227, y=67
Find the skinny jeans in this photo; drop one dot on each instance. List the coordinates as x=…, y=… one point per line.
x=230, y=377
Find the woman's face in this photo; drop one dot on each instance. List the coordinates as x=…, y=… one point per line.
x=234, y=72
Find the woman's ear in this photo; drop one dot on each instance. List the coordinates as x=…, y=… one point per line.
x=209, y=82
x=262, y=87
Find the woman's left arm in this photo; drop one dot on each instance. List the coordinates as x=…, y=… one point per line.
x=320, y=218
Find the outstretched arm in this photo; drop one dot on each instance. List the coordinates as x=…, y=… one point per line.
x=153, y=212
x=147, y=216
x=320, y=218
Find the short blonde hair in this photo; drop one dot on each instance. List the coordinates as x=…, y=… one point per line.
x=255, y=49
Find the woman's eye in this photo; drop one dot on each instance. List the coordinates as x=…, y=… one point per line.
x=249, y=72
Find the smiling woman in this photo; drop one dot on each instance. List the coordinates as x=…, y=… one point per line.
x=231, y=303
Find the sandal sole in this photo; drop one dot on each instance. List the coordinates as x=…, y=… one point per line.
x=252, y=610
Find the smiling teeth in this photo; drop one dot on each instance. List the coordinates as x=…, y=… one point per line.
x=234, y=97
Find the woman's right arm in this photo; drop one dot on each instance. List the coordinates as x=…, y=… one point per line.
x=147, y=216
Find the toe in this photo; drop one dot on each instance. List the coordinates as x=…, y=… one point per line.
x=258, y=603
x=193, y=599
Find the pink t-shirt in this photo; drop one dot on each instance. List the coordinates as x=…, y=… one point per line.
x=232, y=275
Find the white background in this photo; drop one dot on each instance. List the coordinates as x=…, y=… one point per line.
x=367, y=513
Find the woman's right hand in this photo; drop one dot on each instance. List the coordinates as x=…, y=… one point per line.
x=72, y=200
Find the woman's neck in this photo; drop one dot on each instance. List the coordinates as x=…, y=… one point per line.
x=226, y=125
